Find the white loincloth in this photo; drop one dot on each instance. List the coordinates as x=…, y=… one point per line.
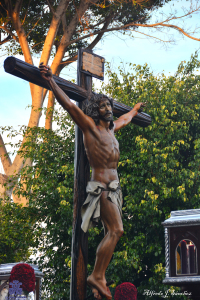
x=90, y=211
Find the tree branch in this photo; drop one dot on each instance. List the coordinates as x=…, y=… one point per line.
x=21, y=199
x=84, y=4
x=9, y=7
x=5, y=186
x=154, y=37
x=91, y=46
x=48, y=44
x=64, y=23
x=26, y=12
x=7, y=39
x=126, y=27
x=44, y=94
x=5, y=159
x=34, y=26
x=50, y=7
x=181, y=30
x=10, y=33
x=67, y=62
x=20, y=30
x=21, y=34
x=49, y=113
x=18, y=5
x=99, y=36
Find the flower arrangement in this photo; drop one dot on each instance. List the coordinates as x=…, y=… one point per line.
x=125, y=291
x=25, y=274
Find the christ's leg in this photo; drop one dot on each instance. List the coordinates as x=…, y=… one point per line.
x=112, y=220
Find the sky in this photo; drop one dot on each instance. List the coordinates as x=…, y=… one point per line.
x=15, y=94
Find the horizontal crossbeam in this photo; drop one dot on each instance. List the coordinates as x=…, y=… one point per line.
x=31, y=73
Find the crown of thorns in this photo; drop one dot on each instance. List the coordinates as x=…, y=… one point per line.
x=91, y=107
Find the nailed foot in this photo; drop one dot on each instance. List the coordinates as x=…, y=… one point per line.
x=100, y=286
x=96, y=294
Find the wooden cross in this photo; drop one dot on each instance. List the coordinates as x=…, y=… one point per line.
x=89, y=65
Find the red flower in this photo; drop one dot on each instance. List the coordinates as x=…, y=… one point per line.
x=25, y=274
x=125, y=291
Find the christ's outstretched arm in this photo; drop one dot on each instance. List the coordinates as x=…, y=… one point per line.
x=126, y=118
x=83, y=121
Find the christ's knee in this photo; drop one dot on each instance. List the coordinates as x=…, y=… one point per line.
x=120, y=232
x=117, y=232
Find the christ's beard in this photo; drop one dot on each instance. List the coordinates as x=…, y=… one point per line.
x=107, y=117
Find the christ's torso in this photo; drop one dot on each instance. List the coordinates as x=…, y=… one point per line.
x=102, y=150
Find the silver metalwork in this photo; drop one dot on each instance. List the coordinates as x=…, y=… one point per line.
x=182, y=280
x=40, y=289
x=183, y=217
x=167, y=252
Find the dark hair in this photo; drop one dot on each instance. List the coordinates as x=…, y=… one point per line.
x=91, y=109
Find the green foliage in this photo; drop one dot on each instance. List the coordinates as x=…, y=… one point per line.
x=16, y=234
x=50, y=193
x=158, y=169
x=49, y=189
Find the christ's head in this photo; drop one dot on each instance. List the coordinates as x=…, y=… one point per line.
x=101, y=108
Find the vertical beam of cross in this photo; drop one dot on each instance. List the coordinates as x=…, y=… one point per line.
x=81, y=177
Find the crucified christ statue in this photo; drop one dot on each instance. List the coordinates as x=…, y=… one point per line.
x=104, y=199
